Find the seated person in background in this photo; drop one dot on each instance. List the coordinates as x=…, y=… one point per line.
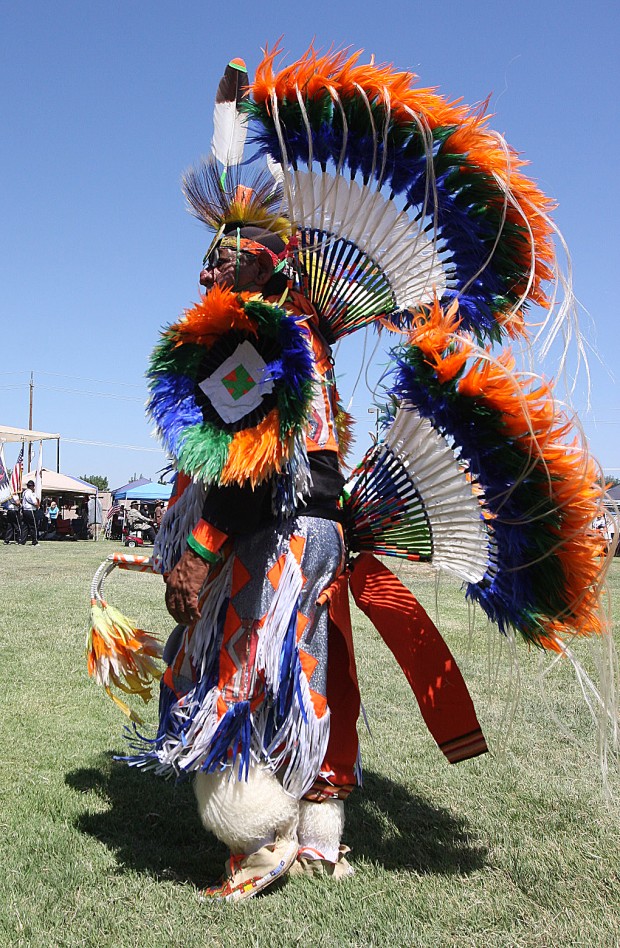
x=53, y=512
x=137, y=521
x=79, y=525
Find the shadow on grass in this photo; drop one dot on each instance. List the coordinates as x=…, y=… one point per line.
x=152, y=826
x=389, y=825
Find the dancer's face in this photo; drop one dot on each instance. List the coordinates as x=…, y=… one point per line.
x=237, y=270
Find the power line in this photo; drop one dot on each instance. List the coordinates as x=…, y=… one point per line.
x=75, y=391
x=107, y=444
x=85, y=378
x=81, y=378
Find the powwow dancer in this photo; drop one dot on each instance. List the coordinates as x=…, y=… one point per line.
x=384, y=205
x=277, y=566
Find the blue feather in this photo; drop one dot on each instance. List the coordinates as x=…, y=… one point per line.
x=172, y=406
x=233, y=735
x=514, y=593
x=466, y=231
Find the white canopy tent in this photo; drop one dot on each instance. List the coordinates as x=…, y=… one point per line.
x=25, y=435
x=28, y=436
x=54, y=483
x=67, y=491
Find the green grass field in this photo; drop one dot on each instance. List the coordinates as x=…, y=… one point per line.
x=515, y=849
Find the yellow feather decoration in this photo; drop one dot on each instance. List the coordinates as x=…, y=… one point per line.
x=121, y=655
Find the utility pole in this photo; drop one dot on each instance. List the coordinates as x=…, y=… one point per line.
x=30, y=420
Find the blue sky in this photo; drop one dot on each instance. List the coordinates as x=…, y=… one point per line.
x=104, y=105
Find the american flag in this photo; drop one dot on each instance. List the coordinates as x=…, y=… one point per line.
x=116, y=508
x=18, y=472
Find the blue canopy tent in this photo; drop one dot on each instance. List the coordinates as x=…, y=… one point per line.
x=119, y=491
x=147, y=492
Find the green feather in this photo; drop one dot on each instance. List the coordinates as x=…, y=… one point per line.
x=204, y=452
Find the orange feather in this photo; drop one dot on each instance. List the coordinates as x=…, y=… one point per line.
x=219, y=310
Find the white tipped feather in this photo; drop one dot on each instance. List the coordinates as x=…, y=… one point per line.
x=461, y=542
x=229, y=124
x=276, y=171
x=364, y=216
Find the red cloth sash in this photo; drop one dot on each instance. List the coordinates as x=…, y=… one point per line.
x=424, y=657
x=343, y=698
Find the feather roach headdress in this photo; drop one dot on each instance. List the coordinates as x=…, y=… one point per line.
x=240, y=200
x=221, y=191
